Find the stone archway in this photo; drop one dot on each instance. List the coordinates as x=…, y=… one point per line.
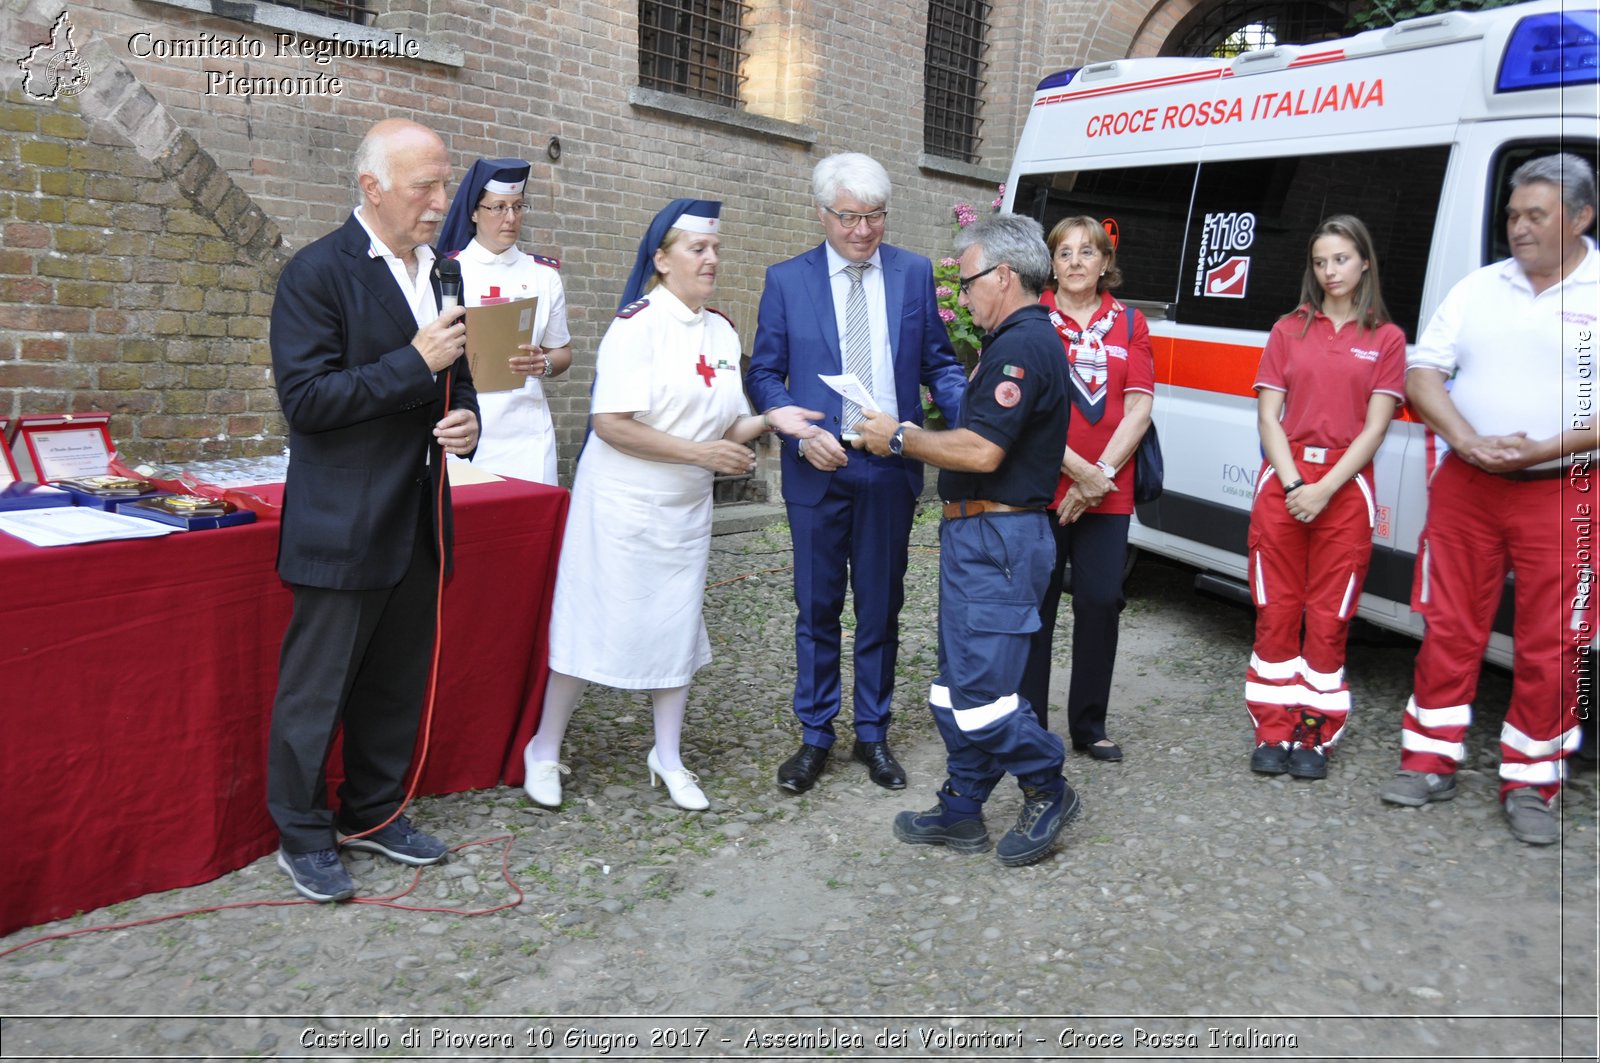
x=1159, y=24
x=1170, y=21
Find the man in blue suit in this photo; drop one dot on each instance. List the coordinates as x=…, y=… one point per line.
x=372, y=383
x=856, y=305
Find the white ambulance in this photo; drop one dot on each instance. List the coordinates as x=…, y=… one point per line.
x=1212, y=173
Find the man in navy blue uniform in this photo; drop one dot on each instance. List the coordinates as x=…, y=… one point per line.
x=1000, y=463
x=852, y=304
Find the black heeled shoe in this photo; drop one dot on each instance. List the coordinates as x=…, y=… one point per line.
x=1110, y=752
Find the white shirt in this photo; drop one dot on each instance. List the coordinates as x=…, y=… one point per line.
x=1522, y=362
x=877, y=314
x=419, y=290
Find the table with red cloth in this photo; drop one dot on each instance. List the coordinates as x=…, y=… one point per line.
x=138, y=676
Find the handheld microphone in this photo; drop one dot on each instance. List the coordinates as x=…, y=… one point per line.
x=448, y=271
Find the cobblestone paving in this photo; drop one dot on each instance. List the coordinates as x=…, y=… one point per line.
x=1194, y=911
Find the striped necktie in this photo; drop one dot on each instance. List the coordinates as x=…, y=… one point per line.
x=857, y=341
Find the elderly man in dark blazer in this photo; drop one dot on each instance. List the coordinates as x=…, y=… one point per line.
x=369, y=379
x=851, y=304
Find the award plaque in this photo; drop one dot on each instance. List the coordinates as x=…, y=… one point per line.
x=105, y=491
x=57, y=446
x=189, y=512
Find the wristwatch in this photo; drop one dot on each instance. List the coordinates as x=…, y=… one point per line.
x=1105, y=467
x=897, y=442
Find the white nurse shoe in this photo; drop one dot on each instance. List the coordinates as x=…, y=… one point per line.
x=681, y=784
x=542, y=781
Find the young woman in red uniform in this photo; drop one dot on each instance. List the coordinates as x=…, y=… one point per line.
x=1331, y=376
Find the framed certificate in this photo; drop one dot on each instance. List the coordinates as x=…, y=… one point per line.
x=8, y=467
x=60, y=446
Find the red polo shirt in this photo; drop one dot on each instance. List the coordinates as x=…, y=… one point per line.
x=1329, y=376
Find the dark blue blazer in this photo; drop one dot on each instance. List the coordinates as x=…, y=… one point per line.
x=797, y=338
x=361, y=406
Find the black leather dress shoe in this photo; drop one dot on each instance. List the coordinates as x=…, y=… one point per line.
x=881, y=765
x=1111, y=752
x=799, y=773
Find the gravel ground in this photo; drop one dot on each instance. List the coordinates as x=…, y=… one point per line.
x=1195, y=911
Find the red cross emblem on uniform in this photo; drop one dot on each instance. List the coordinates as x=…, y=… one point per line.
x=705, y=369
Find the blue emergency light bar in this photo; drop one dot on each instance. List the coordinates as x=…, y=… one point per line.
x=1058, y=79
x=1550, y=50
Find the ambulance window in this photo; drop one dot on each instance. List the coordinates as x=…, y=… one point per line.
x=1146, y=207
x=1496, y=244
x=1246, y=243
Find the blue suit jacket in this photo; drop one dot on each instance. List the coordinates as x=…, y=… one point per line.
x=361, y=406
x=797, y=338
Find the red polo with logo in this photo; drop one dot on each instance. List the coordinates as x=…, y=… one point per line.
x=1311, y=573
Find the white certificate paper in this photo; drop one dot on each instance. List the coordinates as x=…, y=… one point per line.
x=70, y=525
x=849, y=385
x=68, y=453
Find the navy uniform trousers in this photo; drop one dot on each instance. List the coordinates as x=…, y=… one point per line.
x=992, y=574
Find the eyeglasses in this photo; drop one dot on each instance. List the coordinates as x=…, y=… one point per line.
x=966, y=282
x=1088, y=254
x=500, y=210
x=850, y=219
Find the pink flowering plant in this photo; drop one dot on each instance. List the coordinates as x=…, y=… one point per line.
x=964, y=335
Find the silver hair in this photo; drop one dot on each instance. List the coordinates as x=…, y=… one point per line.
x=373, y=157
x=850, y=173
x=1014, y=240
x=1569, y=173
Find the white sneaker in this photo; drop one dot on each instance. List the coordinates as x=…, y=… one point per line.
x=681, y=784
x=542, y=780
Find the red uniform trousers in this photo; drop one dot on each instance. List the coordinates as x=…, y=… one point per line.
x=1311, y=572
x=1478, y=526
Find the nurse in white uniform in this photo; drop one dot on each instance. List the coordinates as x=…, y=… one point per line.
x=669, y=413
x=517, y=436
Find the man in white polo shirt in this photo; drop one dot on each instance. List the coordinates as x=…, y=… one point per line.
x=1518, y=338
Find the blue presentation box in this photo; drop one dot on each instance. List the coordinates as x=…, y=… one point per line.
x=154, y=508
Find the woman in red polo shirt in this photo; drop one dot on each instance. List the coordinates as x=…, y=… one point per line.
x=1331, y=376
x=1112, y=383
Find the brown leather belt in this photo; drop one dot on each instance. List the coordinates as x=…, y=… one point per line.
x=1534, y=474
x=971, y=507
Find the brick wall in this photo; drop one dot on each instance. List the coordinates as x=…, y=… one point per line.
x=185, y=364
x=131, y=285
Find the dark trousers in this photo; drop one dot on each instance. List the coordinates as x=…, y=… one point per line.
x=1096, y=546
x=991, y=573
x=358, y=659
x=858, y=531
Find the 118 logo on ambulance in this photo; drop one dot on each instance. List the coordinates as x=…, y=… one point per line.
x=1221, y=273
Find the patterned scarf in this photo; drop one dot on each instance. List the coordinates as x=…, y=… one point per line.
x=1086, y=356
